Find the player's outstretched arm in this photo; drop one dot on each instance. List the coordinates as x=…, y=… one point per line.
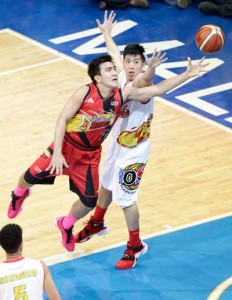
x=112, y=49
x=144, y=94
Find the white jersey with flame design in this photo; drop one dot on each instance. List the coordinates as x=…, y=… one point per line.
x=128, y=152
x=21, y=279
x=133, y=125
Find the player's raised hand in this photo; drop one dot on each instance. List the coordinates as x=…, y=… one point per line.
x=197, y=69
x=157, y=58
x=108, y=23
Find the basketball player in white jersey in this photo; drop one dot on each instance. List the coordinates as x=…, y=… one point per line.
x=20, y=277
x=128, y=153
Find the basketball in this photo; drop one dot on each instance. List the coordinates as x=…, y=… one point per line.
x=210, y=38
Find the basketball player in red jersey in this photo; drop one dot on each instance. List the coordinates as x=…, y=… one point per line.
x=82, y=126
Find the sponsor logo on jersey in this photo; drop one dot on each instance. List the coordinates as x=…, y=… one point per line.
x=114, y=103
x=84, y=122
x=90, y=100
x=129, y=177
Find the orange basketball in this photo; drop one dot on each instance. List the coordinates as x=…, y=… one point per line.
x=210, y=38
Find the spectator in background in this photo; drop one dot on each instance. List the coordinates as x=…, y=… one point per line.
x=179, y=3
x=217, y=7
x=122, y=4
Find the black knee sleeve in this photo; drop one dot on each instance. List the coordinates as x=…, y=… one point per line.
x=29, y=178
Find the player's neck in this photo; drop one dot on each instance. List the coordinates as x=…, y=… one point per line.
x=13, y=256
x=105, y=91
x=128, y=81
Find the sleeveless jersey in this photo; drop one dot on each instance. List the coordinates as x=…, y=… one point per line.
x=21, y=279
x=93, y=121
x=133, y=124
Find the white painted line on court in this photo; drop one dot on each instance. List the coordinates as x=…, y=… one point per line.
x=220, y=289
x=47, y=48
x=193, y=114
x=3, y=30
x=229, y=119
x=182, y=227
x=195, y=99
x=168, y=227
x=30, y=66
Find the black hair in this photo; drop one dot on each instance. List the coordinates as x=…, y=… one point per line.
x=11, y=237
x=94, y=66
x=134, y=49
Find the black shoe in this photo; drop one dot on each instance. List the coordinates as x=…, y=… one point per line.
x=183, y=3
x=102, y=5
x=209, y=8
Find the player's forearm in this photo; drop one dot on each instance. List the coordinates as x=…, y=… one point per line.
x=112, y=48
x=168, y=84
x=59, y=135
x=146, y=93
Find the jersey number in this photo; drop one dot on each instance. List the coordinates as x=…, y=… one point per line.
x=20, y=292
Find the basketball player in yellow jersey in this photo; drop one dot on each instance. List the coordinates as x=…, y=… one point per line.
x=20, y=277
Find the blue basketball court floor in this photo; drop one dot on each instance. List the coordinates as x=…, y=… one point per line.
x=192, y=263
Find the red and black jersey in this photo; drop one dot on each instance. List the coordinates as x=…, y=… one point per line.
x=93, y=121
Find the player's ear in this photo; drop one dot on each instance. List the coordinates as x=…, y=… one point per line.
x=97, y=78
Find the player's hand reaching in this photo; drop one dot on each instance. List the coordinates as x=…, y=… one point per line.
x=156, y=59
x=197, y=69
x=108, y=24
x=57, y=163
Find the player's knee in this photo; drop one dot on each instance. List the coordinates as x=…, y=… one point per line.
x=23, y=179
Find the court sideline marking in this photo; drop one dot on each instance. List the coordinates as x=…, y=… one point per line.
x=30, y=66
x=67, y=256
x=42, y=46
x=220, y=289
